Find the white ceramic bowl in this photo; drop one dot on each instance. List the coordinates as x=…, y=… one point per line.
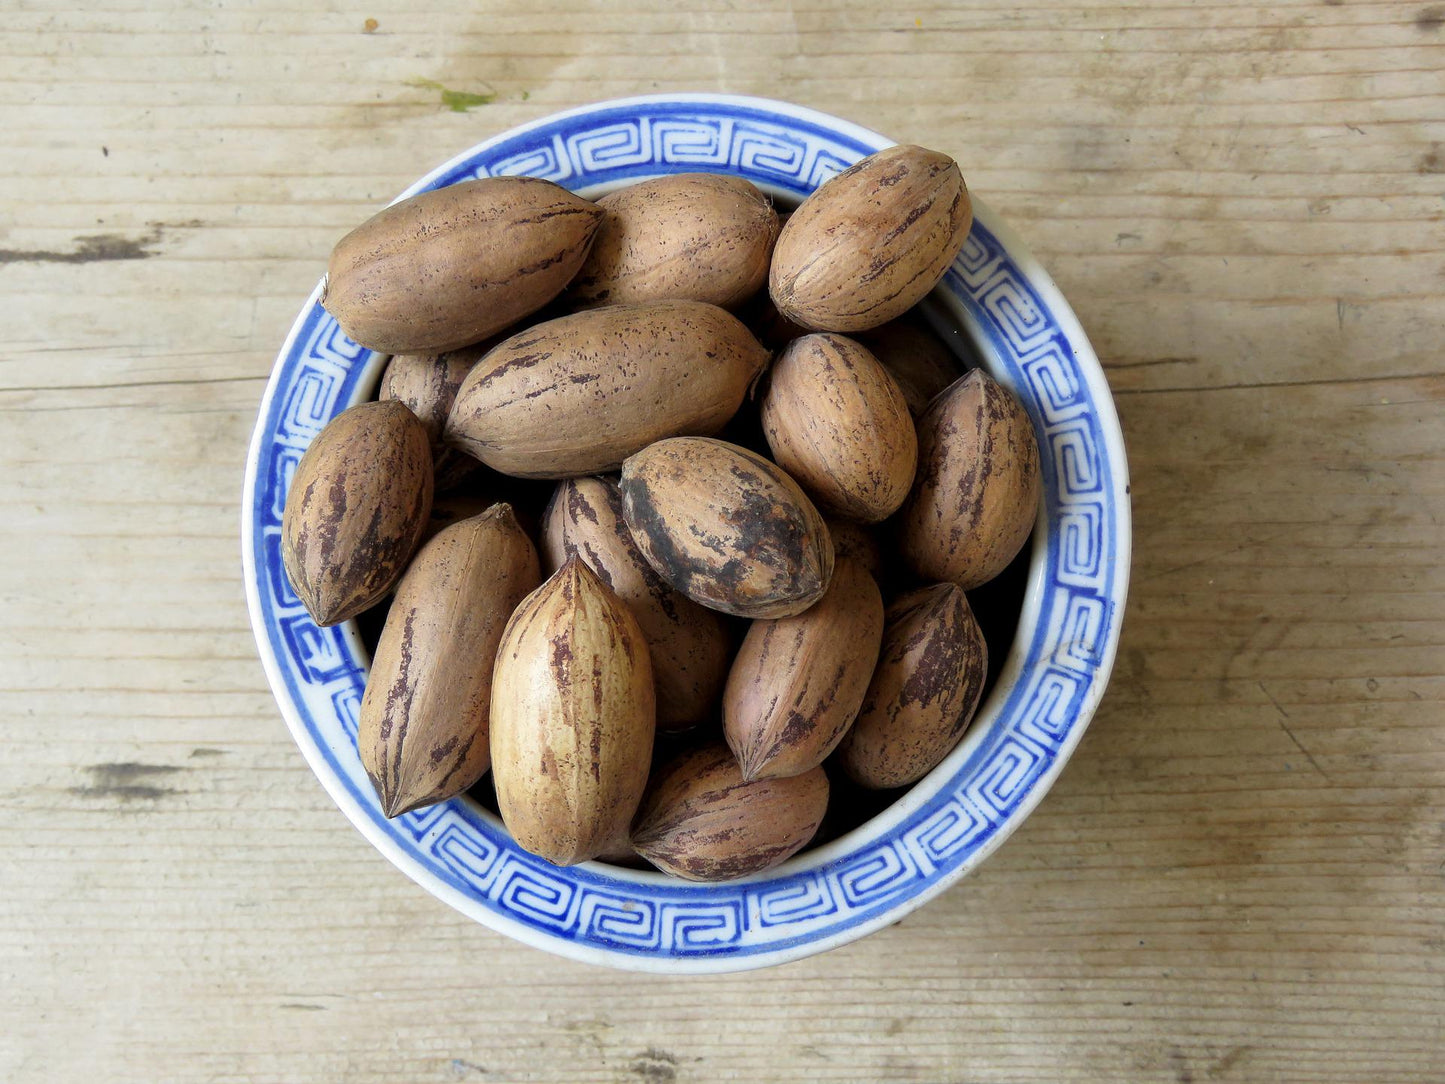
x=1020, y=328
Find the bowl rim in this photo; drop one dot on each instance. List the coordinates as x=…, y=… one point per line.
x=1099, y=400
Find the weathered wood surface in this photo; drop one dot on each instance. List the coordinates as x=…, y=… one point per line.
x=1238, y=878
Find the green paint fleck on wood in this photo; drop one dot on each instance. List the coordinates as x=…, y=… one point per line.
x=458, y=101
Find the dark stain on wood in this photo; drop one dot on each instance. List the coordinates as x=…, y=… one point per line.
x=91, y=248
x=655, y=1066
x=127, y=781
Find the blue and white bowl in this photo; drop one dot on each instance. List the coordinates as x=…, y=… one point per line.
x=1020, y=329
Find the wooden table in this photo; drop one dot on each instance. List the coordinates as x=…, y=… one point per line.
x=1239, y=876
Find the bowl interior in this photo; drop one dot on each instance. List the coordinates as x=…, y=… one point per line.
x=1016, y=324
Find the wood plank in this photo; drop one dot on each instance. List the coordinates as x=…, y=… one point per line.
x=1238, y=878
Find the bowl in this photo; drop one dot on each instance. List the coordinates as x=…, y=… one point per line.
x=1019, y=328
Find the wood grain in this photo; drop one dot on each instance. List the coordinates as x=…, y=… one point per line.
x=1239, y=876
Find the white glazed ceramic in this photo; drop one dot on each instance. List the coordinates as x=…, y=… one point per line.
x=1023, y=332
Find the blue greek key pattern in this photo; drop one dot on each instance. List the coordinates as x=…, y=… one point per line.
x=319, y=673
x=689, y=140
